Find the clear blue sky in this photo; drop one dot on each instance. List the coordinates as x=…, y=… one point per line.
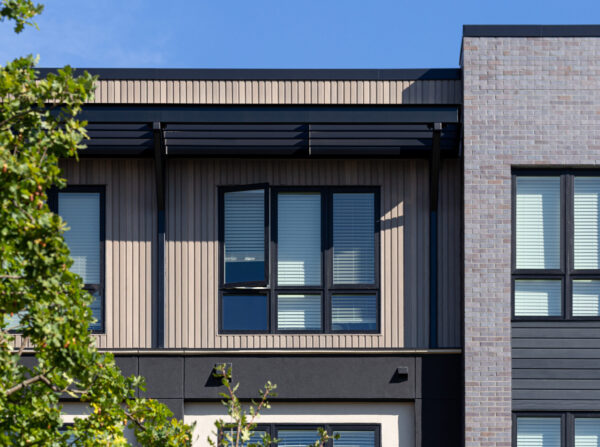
x=271, y=33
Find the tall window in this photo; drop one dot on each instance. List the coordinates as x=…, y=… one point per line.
x=82, y=208
x=556, y=257
x=557, y=430
x=322, y=275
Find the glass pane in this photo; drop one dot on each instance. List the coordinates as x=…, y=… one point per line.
x=538, y=432
x=587, y=432
x=538, y=222
x=587, y=212
x=355, y=438
x=299, y=239
x=96, y=307
x=353, y=312
x=255, y=438
x=353, y=238
x=244, y=234
x=586, y=298
x=13, y=322
x=244, y=313
x=538, y=297
x=299, y=312
x=81, y=212
x=297, y=438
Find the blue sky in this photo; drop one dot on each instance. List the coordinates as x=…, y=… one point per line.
x=271, y=33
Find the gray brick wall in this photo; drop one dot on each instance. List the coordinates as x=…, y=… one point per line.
x=527, y=101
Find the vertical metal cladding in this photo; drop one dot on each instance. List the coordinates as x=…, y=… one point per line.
x=191, y=308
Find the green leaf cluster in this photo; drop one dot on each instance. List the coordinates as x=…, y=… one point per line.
x=38, y=126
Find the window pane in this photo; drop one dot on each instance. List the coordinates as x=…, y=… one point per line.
x=538, y=432
x=587, y=211
x=297, y=438
x=353, y=238
x=255, y=437
x=355, y=438
x=299, y=239
x=96, y=307
x=586, y=298
x=81, y=212
x=244, y=234
x=299, y=312
x=244, y=313
x=587, y=432
x=538, y=222
x=353, y=312
x=538, y=297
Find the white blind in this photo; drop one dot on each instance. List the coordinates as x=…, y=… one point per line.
x=538, y=297
x=353, y=238
x=297, y=438
x=244, y=235
x=81, y=212
x=538, y=223
x=351, y=312
x=587, y=432
x=299, y=239
x=586, y=298
x=538, y=432
x=587, y=211
x=355, y=438
x=299, y=312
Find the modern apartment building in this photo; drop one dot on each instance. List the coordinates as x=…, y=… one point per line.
x=412, y=256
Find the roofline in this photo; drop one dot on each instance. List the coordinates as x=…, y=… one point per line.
x=189, y=74
x=531, y=30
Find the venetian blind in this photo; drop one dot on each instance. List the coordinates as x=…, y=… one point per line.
x=586, y=216
x=538, y=432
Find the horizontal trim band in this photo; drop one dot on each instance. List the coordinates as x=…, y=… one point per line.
x=209, y=352
x=531, y=30
x=234, y=74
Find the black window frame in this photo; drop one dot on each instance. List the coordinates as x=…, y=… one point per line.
x=99, y=289
x=567, y=273
x=273, y=428
x=327, y=288
x=567, y=423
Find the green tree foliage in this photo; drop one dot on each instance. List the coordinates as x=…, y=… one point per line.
x=37, y=128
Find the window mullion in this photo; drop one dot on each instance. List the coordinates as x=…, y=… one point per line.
x=567, y=242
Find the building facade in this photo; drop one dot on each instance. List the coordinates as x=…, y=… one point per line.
x=412, y=256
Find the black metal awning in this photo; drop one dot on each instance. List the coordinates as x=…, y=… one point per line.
x=272, y=131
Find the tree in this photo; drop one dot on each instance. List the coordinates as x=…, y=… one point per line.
x=238, y=429
x=38, y=126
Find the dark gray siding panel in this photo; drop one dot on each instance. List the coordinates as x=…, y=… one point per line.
x=556, y=365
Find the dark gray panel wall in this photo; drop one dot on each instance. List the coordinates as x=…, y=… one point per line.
x=556, y=365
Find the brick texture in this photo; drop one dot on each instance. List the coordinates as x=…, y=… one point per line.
x=527, y=102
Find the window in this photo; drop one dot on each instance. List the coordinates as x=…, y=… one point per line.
x=304, y=435
x=556, y=239
x=557, y=430
x=299, y=259
x=82, y=208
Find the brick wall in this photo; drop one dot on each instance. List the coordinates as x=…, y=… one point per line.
x=527, y=101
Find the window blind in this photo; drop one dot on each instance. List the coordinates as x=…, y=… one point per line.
x=297, y=438
x=299, y=239
x=587, y=432
x=586, y=298
x=538, y=223
x=538, y=297
x=538, y=432
x=353, y=312
x=244, y=236
x=586, y=217
x=353, y=238
x=299, y=312
x=81, y=212
x=355, y=438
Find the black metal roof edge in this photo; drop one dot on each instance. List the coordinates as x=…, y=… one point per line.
x=531, y=30
x=308, y=74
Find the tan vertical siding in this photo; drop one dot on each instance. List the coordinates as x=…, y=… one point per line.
x=278, y=92
x=449, y=254
x=130, y=230
x=192, y=246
